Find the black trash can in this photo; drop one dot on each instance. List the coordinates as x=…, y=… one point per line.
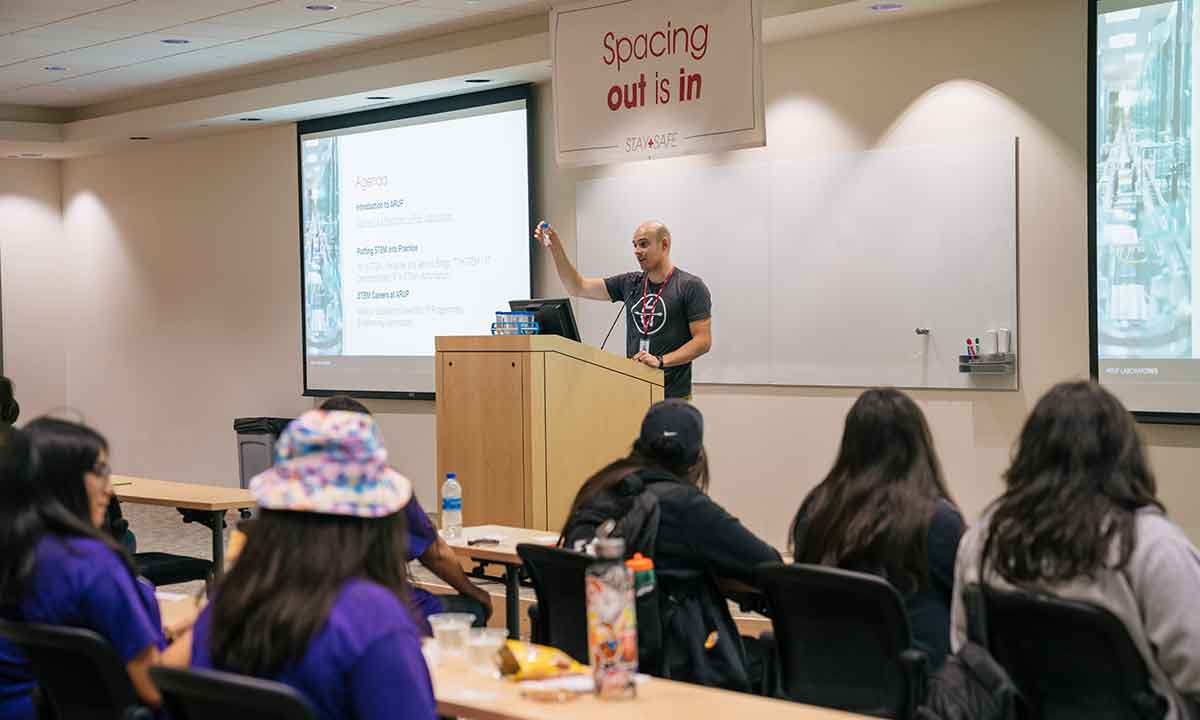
x=256, y=438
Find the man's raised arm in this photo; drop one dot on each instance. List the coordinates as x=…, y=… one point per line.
x=576, y=284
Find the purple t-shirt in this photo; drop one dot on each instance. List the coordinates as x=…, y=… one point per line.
x=79, y=582
x=421, y=534
x=364, y=663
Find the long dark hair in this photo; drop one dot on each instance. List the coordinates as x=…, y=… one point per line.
x=663, y=455
x=66, y=451
x=872, y=511
x=1078, y=476
x=278, y=595
x=38, y=467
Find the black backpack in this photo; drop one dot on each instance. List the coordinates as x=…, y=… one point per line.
x=971, y=685
x=685, y=631
x=633, y=505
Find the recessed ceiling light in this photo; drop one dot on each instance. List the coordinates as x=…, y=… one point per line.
x=56, y=68
x=31, y=155
x=379, y=97
x=138, y=137
x=321, y=7
x=477, y=81
x=250, y=119
x=175, y=41
x=887, y=7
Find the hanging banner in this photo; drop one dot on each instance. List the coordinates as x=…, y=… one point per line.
x=643, y=79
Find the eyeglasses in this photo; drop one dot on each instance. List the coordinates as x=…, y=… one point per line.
x=102, y=469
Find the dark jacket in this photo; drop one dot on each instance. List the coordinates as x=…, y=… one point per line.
x=928, y=607
x=696, y=542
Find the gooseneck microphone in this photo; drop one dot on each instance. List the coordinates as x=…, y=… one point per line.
x=614, y=324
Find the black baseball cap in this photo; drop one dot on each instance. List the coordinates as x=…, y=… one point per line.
x=674, y=422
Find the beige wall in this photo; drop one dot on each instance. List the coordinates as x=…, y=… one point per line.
x=186, y=280
x=1015, y=68
x=183, y=267
x=35, y=280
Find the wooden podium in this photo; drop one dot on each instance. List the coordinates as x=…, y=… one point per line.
x=525, y=419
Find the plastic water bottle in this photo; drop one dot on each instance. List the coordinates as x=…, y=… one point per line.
x=612, y=622
x=451, y=507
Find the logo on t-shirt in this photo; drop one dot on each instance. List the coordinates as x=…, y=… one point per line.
x=649, y=314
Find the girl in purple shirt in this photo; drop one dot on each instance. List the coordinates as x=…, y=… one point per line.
x=317, y=597
x=59, y=568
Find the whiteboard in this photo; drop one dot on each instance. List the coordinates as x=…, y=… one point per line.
x=822, y=268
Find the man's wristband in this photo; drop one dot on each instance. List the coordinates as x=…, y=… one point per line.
x=661, y=363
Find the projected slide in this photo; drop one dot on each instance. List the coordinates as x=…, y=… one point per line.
x=412, y=228
x=1148, y=340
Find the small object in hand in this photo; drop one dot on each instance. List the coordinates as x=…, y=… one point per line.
x=484, y=541
x=710, y=642
x=544, y=229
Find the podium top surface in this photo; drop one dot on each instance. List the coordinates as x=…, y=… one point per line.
x=549, y=343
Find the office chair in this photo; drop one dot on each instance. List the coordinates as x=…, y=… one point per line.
x=79, y=675
x=843, y=640
x=204, y=694
x=558, y=580
x=1071, y=660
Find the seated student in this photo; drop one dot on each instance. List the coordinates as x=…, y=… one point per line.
x=1079, y=519
x=697, y=541
x=427, y=547
x=884, y=509
x=317, y=598
x=59, y=569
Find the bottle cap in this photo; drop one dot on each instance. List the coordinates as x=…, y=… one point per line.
x=610, y=548
x=639, y=563
x=451, y=476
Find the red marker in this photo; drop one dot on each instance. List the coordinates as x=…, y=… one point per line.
x=970, y=349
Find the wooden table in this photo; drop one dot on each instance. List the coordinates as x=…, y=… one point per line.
x=505, y=554
x=460, y=691
x=190, y=496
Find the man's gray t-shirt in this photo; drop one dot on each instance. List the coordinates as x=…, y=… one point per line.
x=685, y=299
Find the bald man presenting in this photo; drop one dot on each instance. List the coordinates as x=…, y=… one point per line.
x=670, y=311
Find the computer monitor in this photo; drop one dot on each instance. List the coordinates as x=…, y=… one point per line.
x=553, y=315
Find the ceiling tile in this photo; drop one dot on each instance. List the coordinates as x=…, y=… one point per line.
x=286, y=42
x=43, y=11
x=152, y=15
x=389, y=20
x=130, y=51
x=33, y=72
x=222, y=32
x=49, y=40
x=459, y=7
x=287, y=14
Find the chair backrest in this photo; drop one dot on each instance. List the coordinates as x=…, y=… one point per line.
x=1069, y=659
x=558, y=580
x=843, y=639
x=203, y=694
x=78, y=672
